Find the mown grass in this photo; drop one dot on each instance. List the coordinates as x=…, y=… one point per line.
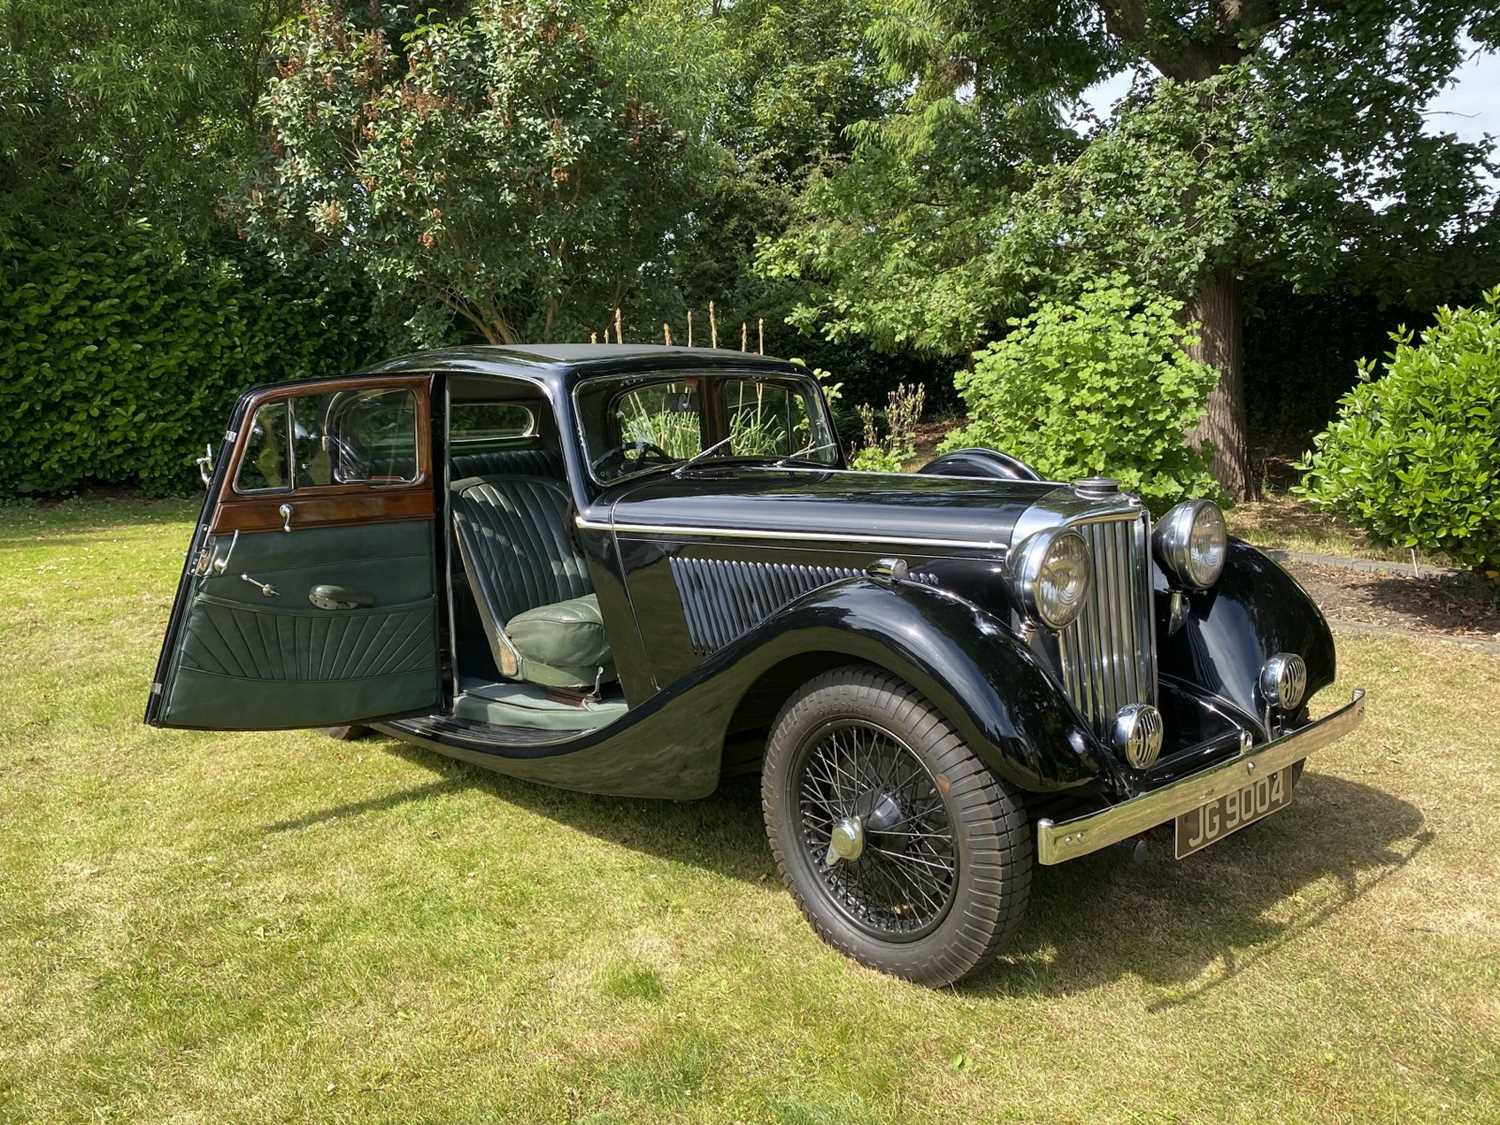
x=277, y=926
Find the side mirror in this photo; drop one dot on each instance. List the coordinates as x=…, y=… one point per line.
x=206, y=465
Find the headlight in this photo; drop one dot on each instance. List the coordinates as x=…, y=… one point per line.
x=1191, y=543
x=1049, y=576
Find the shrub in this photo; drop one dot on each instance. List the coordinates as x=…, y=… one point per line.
x=903, y=412
x=1413, y=457
x=1101, y=387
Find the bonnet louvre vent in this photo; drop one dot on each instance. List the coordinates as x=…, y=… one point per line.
x=724, y=599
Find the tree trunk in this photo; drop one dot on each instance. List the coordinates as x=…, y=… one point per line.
x=1217, y=310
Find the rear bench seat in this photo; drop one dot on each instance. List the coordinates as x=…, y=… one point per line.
x=507, y=463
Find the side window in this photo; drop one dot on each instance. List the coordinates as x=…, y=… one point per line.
x=479, y=422
x=341, y=437
x=766, y=419
x=664, y=414
x=349, y=437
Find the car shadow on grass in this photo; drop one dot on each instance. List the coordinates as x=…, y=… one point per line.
x=1090, y=922
x=1097, y=919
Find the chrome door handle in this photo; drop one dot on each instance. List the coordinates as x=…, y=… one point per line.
x=209, y=563
x=206, y=465
x=285, y=512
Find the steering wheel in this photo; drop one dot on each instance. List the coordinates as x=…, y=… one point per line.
x=630, y=455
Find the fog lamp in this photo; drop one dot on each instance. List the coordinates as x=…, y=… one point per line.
x=1283, y=680
x=1138, y=734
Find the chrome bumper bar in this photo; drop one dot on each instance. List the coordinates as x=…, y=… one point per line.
x=1060, y=842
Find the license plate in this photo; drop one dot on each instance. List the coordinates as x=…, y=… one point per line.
x=1210, y=823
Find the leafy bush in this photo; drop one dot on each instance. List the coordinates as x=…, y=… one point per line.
x=1101, y=387
x=120, y=363
x=902, y=413
x=1414, y=456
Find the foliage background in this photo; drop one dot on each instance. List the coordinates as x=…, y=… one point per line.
x=121, y=360
x=1413, y=456
x=885, y=185
x=1101, y=387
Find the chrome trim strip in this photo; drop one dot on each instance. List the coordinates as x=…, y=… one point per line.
x=818, y=536
x=1060, y=842
x=924, y=476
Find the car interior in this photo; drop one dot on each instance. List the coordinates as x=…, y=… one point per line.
x=530, y=649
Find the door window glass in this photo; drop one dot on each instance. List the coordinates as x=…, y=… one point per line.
x=341, y=437
x=479, y=422
x=347, y=437
x=264, y=464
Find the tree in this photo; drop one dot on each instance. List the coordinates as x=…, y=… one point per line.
x=1262, y=140
x=791, y=79
x=121, y=110
x=503, y=161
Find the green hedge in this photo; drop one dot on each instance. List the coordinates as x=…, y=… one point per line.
x=117, y=363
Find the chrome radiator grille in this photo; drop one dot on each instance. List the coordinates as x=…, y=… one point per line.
x=1108, y=655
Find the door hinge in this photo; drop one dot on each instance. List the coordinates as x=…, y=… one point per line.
x=156, y=689
x=230, y=435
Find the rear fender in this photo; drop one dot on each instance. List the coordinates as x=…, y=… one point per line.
x=963, y=660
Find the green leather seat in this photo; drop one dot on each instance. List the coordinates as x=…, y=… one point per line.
x=531, y=584
x=562, y=644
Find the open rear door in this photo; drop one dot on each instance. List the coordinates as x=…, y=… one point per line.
x=309, y=596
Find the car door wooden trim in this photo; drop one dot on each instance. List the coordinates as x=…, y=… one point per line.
x=263, y=513
x=331, y=505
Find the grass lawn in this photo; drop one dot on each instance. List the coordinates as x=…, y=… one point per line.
x=278, y=926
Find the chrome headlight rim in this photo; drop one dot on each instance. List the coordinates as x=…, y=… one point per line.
x=1172, y=543
x=1024, y=567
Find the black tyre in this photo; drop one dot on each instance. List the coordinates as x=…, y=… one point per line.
x=901, y=847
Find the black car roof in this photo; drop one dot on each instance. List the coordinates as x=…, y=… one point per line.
x=567, y=363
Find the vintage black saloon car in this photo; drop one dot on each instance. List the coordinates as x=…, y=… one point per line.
x=634, y=570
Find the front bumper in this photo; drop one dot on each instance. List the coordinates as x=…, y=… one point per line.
x=1059, y=842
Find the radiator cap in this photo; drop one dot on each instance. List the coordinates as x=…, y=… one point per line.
x=1097, y=487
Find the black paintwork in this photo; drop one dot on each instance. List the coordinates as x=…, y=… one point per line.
x=949, y=629
x=1255, y=610
x=810, y=502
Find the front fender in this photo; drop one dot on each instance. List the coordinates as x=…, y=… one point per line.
x=1254, y=611
x=960, y=658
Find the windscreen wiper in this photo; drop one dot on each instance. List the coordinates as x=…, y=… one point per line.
x=806, y=449
x=702, y=453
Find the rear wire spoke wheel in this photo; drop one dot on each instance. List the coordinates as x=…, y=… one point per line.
x=901, y=848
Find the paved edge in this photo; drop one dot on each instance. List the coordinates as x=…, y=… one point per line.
x=1369, y=566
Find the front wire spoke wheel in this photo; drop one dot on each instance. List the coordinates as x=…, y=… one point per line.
x=859, y=779
x=899, y=845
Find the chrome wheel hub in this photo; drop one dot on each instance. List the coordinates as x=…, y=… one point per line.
x=846, y=841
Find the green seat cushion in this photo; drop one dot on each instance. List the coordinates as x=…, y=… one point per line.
x=562, y=644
